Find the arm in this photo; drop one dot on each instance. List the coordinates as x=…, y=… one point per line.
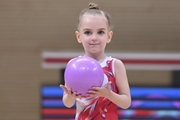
x=123, y=99
x=69, y=97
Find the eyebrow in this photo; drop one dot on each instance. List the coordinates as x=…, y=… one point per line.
x=86, y=29
x=90, y=29
x=102, y=29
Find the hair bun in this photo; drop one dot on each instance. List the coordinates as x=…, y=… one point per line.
x=93, y=6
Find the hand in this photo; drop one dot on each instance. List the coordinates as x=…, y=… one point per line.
x=69, y=92
x=100, y=91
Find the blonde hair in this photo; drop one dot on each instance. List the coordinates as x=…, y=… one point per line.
x=93, y=9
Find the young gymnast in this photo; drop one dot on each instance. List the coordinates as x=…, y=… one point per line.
x=94, y=32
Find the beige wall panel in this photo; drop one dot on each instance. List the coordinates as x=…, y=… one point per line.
x=28, y=27
x=148, y=78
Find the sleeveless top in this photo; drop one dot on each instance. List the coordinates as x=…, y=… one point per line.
x=99, y=108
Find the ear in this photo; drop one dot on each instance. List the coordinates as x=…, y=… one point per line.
x=110, y=35
x=78, y=36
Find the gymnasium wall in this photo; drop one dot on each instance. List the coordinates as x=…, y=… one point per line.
x=29, y=27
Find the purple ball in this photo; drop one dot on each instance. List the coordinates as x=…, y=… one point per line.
x=83, y=73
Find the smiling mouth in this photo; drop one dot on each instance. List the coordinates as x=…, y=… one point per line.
x=94, y=44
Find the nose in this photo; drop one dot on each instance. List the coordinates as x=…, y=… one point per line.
x=94, y=37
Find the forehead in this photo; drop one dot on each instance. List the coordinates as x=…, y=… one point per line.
x=93, y=20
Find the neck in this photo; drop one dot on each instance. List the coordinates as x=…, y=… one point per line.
x=96, y=56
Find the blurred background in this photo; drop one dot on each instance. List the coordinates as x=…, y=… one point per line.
x=30, y=27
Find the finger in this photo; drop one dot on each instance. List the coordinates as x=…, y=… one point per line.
x=108, y=85
x=92, y=91
x=74, y=93
x=79, y=96
x=64, y=88
x=90, y=95
x=61, y=86
x=96, y=89
x=70, y=91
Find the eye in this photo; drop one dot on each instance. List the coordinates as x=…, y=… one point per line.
x=101, y=32
x=87, y=32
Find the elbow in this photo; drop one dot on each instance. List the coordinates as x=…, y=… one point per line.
x=127, y=104
x=68, y=106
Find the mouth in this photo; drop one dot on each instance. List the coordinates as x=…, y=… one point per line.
x=94, y=44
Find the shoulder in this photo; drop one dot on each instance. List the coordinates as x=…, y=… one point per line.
x=117, y=62
x=118, y=65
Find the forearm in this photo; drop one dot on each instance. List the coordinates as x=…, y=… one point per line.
x=122, y=100
x=68, y=101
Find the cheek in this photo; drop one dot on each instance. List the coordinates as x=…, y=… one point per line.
x=104, y=42
x=82, y=36
x=85, y=42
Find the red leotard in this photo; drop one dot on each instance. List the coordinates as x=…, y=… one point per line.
x=99, y=108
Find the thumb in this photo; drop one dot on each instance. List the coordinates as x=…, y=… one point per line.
x=64, y=88
x=108, y=85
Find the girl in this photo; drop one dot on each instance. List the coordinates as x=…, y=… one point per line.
x=94, y=32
